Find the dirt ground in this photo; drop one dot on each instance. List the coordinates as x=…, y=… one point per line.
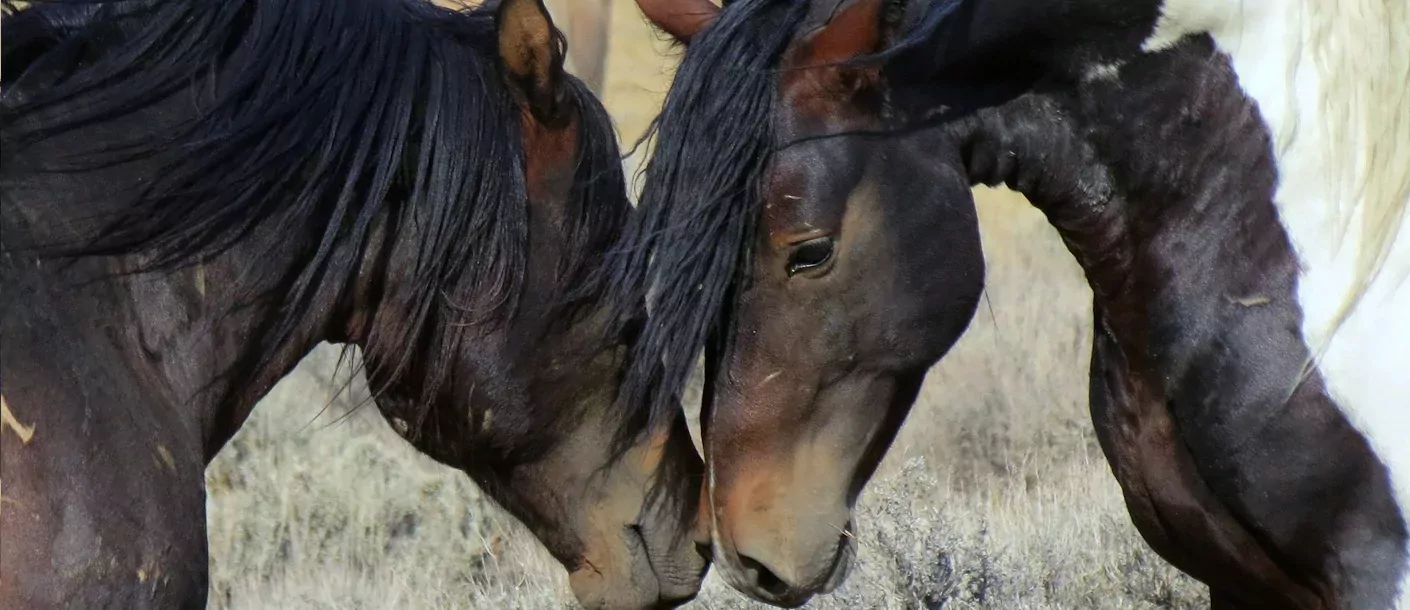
x=994, y=496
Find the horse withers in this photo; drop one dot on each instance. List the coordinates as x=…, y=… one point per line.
x=197, y=193
x=1232, y=178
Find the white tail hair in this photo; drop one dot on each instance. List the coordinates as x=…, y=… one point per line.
x=1362, y=52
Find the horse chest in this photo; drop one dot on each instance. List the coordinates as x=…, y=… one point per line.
x=1332, y=173
x=1167, y=496
x=1329, y=180
x=1234, y=468
x=1362, y=359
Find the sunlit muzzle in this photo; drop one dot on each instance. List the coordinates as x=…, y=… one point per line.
x=782, y=534
x=662, y=570
x=787, y=580
x=785, y=461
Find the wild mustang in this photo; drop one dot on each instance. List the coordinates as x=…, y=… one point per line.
x=196, y=193
x=1232, y=176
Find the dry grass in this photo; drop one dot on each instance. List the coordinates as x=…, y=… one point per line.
x=995, y=495
x=327, y=508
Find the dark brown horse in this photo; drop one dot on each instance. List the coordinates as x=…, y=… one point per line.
x=808, y=378
x=196, y=193
x=1233, y=178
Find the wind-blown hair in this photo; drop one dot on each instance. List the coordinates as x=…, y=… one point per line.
x=691, y=236
x=325, y=121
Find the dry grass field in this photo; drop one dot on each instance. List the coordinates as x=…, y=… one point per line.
x=995, y=495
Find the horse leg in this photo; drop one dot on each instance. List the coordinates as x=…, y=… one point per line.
x=1168, y=502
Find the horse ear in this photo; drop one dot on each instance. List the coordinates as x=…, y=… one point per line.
x=682, y=19
x=531, y=57
x=850, y=32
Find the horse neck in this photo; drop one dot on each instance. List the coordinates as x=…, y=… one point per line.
x=473, y=392
x=237, y=314
x=187, y=335
x=1326, y=82
x=1161, y=181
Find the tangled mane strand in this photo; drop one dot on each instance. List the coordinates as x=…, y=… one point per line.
x=319, y=120
x=699, y=203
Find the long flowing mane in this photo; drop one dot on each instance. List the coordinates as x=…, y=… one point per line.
x=325, y=121
x=700, y=200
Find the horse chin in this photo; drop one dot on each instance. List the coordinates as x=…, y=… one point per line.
x=653, y=572
x=597, y=588
x=846, y=555
x=643, y=591
x=679, y=568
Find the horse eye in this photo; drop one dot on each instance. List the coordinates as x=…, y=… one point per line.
x=810, y=254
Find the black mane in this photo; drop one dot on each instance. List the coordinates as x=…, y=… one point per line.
x=321, y=120
x=701, y=199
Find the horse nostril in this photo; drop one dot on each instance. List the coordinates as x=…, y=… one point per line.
x=764, y=578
